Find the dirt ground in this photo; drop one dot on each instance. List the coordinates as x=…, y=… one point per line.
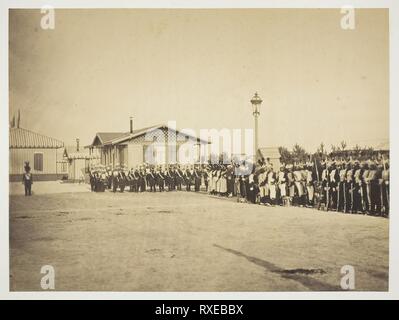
x=182, y=241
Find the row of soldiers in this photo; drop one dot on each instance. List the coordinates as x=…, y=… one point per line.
x=148, y=178
x=346, y=186
x=349, y=186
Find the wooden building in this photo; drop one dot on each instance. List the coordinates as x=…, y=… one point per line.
x=154, y=145
x=270, y=153
x=39, y=150
x=79, y=162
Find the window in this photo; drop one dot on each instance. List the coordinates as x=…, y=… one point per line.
x=38, y=161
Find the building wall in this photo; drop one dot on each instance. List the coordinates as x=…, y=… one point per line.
x=76, y=169
x=19, y=156
x=272, y=153
x=132, y=152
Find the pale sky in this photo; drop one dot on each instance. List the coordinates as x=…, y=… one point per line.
x=200, y=68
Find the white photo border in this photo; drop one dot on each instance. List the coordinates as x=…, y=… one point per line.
x=392, y=293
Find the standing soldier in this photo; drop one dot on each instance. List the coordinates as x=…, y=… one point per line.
x=271, y=184
x=263, y=187
x=375, y=198
x=298, y=181
x=325, y=183
x=27, y=180
x=92, y=179
x=142, y=179
x=103, y=179
x=169, y=178
x=334, y=179
x=341, y=203
x=385, y=188
x=309, y=182
x=160, y=179
x=109, y=178
x=365, y=186
x=380, y=169
x=151, y=179
x=135, y=179
x=115, y=179
x=213, y=179
x=179, y=178
x=187, y=178
x=290, y=183
x=122, y=180
x=173, y=173
x=230, y=180
x=197, y=179
x=205, y=176
x=349, y=187
x=252, y=188
x=357, y=188
x=223, y=181
x=282, y=185
x=130, y=179
x=242, y=181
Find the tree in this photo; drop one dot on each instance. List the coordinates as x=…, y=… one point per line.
x=321, y=149
x=343, y=145
x=285, y=155
x=299, y=153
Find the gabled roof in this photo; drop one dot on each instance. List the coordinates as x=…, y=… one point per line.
x=105, y=137
x=271, y=152
x=111, y=138
x=70, y=152
x=23, y=138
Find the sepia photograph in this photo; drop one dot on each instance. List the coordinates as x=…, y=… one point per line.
x=199, y=149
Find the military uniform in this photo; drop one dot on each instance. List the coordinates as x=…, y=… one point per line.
x=374, y=190
x=205, y=176
x=365, y=187
x=349, y=188
x=179, y=179
x=333, y=184
x=282, y=185
x=299, y=186
x=151, y=179
x=230, y=181
x=27, y=180
x=187, y=179
x=92, y=180
x=341, y=190
x=385, y=189
x=290, y=182
x=160, y=180
x=271, y=185
x=263, y=187
x=122, y=181
x=309, y=183
x=115, y=180
x=251, y=189
x=142, y=180
x=357, y=206
x=325, y=184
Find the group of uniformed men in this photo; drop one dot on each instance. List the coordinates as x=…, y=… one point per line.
x=148, y=178
x=349, y=186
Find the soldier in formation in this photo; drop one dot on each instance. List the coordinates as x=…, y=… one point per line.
x=347, y=186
